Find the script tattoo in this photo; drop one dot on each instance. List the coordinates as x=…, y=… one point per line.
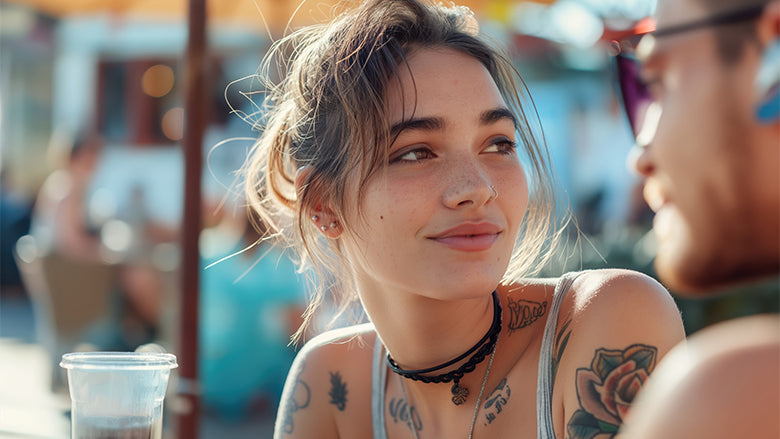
x=338, y=391
x=524, y=313
x=496, y=401
x=401, y=411
x=606, y=390
x=299, y=400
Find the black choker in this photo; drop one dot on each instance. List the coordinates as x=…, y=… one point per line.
x=482, y=348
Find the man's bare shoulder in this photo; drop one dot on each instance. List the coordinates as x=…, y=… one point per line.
x=723, y=383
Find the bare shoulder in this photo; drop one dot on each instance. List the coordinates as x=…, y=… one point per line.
x=605, y=288
x=330, y=378
x=723, y=383
x=618, y=289
x=613, y=328
x=351, y=338
x=617, y=309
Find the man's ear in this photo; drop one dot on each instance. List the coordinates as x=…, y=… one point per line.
x=768, y=26
x=321, y=215
x=767, y=81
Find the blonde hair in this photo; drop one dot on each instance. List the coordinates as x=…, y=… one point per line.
x=329, y=114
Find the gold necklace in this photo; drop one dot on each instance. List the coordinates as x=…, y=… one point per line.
x=479, y=398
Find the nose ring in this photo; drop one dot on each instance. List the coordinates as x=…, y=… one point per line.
x=493, y=193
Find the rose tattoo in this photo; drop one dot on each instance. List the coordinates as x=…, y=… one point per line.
x=607, y=389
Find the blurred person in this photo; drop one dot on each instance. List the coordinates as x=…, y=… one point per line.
x=58, y=221
x=392, y=159
x=251, y=302
x=707, y=117
x=61, y=229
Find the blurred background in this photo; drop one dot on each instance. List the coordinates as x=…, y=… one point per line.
x=92, y=186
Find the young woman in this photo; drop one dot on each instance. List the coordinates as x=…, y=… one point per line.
x=392, y=157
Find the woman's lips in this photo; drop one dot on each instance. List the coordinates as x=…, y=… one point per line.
x=469, y=237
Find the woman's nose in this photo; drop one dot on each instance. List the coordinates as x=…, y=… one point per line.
x=469, y=186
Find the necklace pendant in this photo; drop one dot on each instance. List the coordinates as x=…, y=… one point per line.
x=459, y=394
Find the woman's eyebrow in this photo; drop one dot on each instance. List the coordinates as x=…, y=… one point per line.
x=422, y=124
x=436, y=123
x=497, y=114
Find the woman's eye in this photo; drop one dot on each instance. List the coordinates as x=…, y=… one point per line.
x=413, y=155
x=502, y=146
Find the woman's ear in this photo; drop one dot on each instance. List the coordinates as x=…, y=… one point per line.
x=322, y=216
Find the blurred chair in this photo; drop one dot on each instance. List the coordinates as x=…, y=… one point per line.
x=73, y=300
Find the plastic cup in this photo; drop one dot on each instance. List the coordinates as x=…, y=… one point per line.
x=117, y=394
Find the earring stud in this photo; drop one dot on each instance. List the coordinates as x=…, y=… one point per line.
x=315, y=218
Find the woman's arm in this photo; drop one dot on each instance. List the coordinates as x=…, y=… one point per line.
x=617, y=326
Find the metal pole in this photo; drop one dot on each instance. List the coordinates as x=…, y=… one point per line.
x=195, y=102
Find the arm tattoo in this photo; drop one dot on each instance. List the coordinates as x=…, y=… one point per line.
x=338, y=391
x=524, y=312
x=299, y=400
x=606, y=390
x=496, y=401
x=400, y=410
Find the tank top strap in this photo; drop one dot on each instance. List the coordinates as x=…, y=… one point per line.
x=378, y=380
x=546, y=379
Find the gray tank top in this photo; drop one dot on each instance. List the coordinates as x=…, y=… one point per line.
x=544, y=385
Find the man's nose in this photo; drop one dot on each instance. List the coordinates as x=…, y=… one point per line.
x=639, y=161
x=639, y=158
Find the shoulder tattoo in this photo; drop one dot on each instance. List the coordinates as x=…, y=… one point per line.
x=299, y=400
x=606, y=390
x=524, y=313
x=338, y=391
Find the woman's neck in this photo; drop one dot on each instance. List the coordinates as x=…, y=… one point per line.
x=420, y=332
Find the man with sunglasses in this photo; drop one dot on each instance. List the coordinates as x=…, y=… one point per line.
x=702, y=98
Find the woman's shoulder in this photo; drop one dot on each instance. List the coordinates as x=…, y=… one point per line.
x=614, y=327
x=587, y=289
x=604, y=298
x=617, y=288
x=347, y=341
x=330, y=377
x=615, y=304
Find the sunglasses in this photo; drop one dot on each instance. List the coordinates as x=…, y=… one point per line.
x=640, y=107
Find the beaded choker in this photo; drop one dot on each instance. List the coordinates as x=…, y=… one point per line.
x=480, y=351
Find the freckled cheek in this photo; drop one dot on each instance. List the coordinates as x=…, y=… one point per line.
x=394, y=209
x=516, y=196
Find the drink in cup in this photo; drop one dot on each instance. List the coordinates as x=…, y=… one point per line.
x=117, y=395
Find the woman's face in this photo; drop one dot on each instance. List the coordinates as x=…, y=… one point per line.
x=431, y=222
